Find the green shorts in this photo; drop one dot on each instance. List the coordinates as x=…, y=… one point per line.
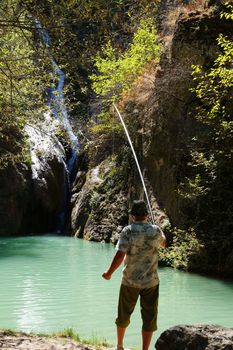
x=149, y=306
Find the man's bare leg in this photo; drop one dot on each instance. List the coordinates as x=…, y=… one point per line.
x=120, y=336
x=146, y=339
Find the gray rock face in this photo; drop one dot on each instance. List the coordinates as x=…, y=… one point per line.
x=99, y=204
x=13, y=198
x=32, y=195
x=196, y=337
x=48, y=181
x=81, y=201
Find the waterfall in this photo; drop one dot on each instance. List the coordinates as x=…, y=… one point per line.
x=58, y=107
x=57, y=101
x=59, y=110
x=137, y=163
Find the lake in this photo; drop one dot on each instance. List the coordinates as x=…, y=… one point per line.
x=49, y=283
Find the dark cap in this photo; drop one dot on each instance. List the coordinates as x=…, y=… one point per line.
x=139, y=208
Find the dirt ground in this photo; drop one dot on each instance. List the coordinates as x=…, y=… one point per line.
x=22, y=341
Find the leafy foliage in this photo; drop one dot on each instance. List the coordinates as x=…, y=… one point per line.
x=116, y=72
x=108, y=125
x=185, y=245
x=22, y=80
x=76, y=29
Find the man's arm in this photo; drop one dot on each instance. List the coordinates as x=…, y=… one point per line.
x=116, y=262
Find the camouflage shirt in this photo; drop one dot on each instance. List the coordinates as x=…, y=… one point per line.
x=140, y=242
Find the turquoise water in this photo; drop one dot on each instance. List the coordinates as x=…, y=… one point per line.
x=49, y=283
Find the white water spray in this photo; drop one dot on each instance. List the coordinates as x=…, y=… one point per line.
x=137, y=163
x=57, y=100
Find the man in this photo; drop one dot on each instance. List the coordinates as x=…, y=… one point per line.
x=138, y=247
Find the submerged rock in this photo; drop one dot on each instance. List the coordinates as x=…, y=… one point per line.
x=196, y=337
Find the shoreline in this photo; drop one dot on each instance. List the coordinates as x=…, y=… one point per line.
x=16, y=340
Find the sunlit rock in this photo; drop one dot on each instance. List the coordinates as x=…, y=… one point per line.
x=196, y=337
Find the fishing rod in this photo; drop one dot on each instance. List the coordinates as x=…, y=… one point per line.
x=137, y=163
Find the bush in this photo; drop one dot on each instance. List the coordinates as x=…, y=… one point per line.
x=185, y=245
x=116, y=72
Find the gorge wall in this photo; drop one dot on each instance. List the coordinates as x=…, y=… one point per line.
x=159, y=112
x=171, y=128
x=169, y=124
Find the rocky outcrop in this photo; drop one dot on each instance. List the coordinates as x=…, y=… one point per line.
x=81, y=200
x=32, y=194
x=196, y=337
x=99, y=202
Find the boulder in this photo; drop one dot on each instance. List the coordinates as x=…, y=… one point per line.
x=196, y=337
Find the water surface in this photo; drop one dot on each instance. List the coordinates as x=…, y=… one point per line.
x=48, y=283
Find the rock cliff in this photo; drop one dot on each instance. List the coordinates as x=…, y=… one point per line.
x=169, y=128
x=32, y=195
x=169, y=125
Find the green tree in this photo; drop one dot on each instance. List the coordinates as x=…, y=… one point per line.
x=116, y=72
x=23, y=79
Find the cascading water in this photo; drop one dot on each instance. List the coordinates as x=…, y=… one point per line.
x=137, y=163
x=58, y=107
x=57, y=101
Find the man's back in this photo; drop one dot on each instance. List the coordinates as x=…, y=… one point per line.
x=140, y=242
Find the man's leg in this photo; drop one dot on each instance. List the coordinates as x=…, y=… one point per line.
x=120, y=336
x=146, y=339
x=149, y=310
x=127, y=300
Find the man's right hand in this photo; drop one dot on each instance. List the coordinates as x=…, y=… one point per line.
x=106, y=275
